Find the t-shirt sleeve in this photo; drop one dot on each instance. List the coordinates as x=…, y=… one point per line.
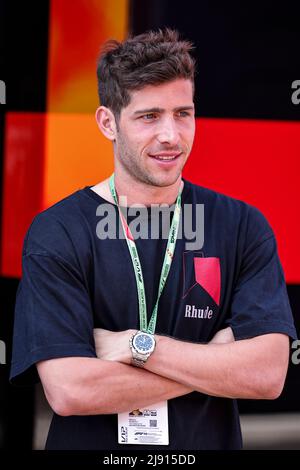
x=260, y=303
x=53, y=313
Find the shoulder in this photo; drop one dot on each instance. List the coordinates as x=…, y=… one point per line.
x=231, y=213
x=62, y=226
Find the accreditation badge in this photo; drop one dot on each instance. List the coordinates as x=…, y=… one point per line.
x=145, y=425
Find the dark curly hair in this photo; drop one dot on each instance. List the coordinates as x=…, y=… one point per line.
x=147, y=59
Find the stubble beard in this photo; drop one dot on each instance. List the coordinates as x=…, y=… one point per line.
x=128, y=159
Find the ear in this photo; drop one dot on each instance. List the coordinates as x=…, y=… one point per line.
x=106, y=122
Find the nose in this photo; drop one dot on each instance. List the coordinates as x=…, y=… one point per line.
x=168, y=132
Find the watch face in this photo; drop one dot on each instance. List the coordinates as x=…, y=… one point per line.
x=144, y=343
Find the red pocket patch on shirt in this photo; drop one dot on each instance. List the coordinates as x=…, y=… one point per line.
x=208, y=276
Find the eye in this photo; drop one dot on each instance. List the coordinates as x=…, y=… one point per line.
x=149, y=116
x=183, y=113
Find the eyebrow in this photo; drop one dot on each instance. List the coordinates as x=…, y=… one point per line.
x=161, y=110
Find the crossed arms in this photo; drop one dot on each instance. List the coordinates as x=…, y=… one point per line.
x=251, y=368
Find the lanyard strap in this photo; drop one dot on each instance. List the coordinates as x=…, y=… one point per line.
x=150, y=328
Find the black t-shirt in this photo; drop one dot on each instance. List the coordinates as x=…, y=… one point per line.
x=73, y=281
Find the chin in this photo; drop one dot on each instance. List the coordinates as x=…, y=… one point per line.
x=164, y=182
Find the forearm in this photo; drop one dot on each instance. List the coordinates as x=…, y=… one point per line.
x=93, y=386
x=242, y=369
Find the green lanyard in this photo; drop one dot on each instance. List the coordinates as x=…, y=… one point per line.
x=150, y=328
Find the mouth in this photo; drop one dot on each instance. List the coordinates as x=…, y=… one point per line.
x=166, y=157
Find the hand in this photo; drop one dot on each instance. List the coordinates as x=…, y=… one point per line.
x=223, y=336
x=113, y=346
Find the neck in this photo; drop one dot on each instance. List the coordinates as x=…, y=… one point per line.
x=140, y=193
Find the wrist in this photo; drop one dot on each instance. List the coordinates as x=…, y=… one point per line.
x=159, y=341
x=141, y=345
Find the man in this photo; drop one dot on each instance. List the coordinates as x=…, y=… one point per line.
x=115, y=325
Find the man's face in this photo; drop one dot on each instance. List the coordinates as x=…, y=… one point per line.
x=156, y=132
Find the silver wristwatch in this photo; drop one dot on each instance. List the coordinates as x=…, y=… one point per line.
x=142, y=346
